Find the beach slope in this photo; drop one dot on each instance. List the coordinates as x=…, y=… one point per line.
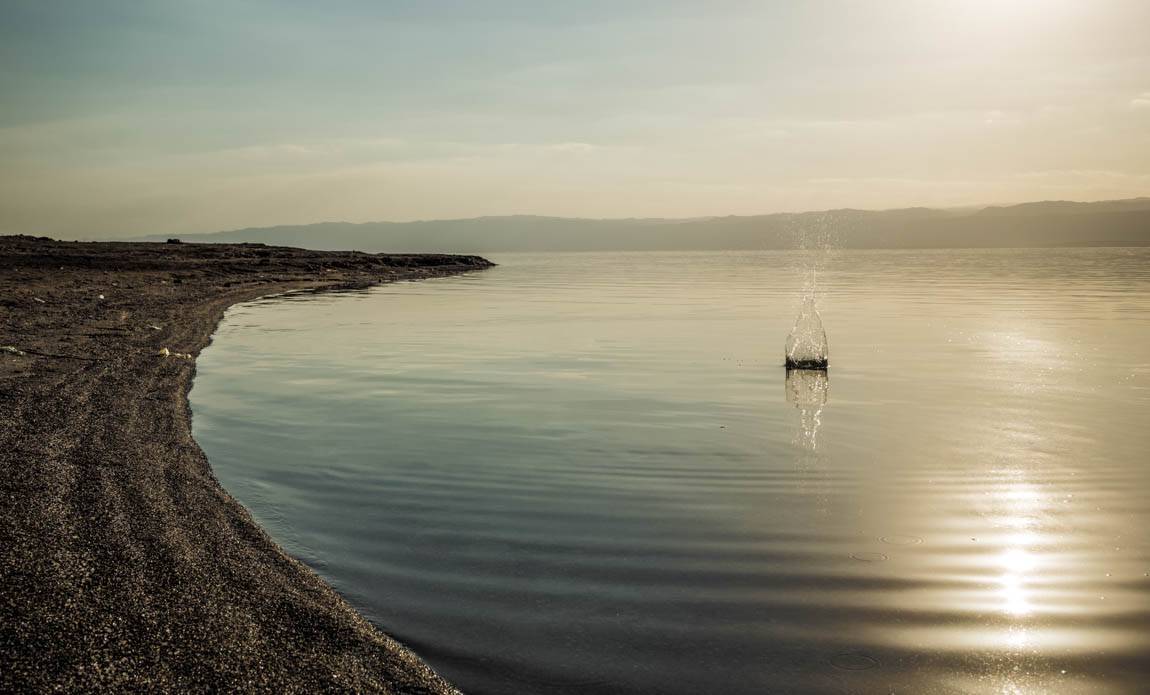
x=125, y=565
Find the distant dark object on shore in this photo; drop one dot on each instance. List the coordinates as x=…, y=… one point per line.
x=174, y=240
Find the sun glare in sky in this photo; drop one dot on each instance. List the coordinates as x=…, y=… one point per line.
x=124, y=118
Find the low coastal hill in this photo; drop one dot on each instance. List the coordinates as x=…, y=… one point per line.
x=1043, y=224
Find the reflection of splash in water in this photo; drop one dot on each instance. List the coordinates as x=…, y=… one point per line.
x=807, y=390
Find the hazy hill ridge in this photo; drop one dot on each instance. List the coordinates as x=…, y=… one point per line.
x=1040, y=224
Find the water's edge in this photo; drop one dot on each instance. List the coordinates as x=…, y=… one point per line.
x=263, y=295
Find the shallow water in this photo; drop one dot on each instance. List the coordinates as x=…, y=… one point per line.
x=589, y=472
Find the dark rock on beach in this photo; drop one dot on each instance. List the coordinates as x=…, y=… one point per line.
x=123, y=563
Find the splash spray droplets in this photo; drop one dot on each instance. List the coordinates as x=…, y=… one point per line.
x=807, y=344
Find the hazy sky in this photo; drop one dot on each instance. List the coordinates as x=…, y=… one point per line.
x=122, y=117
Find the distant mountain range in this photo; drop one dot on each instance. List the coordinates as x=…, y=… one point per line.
x=1044, y=224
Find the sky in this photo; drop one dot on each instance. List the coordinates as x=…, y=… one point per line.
x=121, y=117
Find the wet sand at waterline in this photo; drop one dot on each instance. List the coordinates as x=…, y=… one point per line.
x=125, y=565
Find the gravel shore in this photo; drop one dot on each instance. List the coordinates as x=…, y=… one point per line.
x=124, y=564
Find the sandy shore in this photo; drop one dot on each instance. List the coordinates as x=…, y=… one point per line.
x=124, y=564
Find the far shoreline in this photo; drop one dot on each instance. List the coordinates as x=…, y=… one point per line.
x=130, y=567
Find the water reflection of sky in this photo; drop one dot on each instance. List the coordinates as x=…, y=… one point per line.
x=602, y=438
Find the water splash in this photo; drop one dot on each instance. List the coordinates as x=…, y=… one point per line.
x=814, y=234
x=806, y=346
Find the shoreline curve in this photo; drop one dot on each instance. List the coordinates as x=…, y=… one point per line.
x=127, y=565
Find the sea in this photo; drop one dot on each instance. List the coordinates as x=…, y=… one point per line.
x=591, y=472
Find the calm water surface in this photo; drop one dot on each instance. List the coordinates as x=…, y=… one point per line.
x=590, y=473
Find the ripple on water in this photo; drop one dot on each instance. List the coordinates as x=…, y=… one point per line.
x=899, y=539
x=650, y=526
x=853, y=661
